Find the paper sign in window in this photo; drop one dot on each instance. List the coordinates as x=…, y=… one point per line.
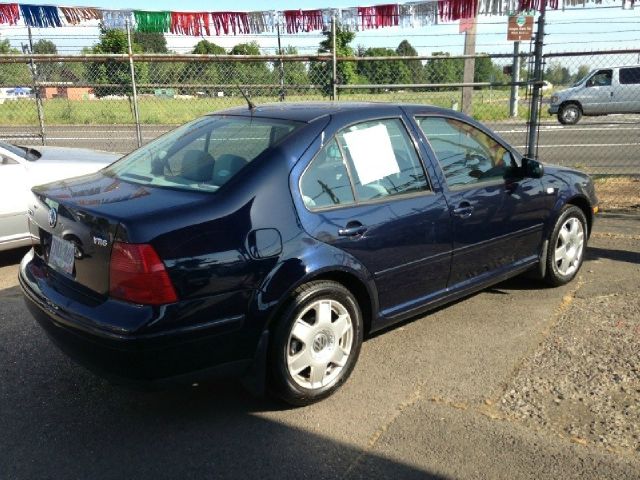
x=372, y=154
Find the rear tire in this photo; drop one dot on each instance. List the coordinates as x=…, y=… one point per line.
x=316, y=343
x=569, y=114
x=567, y=246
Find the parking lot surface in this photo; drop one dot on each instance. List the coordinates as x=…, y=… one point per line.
x=488, y=387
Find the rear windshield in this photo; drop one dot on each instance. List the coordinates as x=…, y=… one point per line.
x=204, y=154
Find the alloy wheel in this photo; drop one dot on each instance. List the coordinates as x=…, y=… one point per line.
x=319, y=344
x=569, y=246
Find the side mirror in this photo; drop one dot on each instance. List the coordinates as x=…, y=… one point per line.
x=532, y=168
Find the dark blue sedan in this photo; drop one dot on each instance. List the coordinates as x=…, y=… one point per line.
x=267, y=242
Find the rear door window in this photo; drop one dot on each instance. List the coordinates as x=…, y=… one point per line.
x=382, y=159
x=629, y=76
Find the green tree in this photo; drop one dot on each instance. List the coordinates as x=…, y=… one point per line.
x=558, y=74
x=151, y=42
x=295, y=73
x=204, y=47
x=43, y=47
x=415, y=67
x=384, y=72
x=487, y=71
x=346, y=72
x=13, y=74
x=583, y=71
x=445, y=70
x=47, y=72
x=209, y=72
x=253, y=72
x=111, y=71
x=159, y=72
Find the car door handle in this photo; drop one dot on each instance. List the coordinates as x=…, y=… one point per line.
x=511, y=187
x=352, y=229
x=463, y=210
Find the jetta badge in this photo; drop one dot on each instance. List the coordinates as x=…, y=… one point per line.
x=102, y=242
x=53, y=217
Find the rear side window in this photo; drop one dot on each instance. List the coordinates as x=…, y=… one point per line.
x=325, y=183
x=204, y=154
x=630, y=76
x=382, y=159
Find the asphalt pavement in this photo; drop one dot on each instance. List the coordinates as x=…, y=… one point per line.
x=420, y=403
x=604, y=145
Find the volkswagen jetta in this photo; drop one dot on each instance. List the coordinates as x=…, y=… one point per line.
x=266, y=242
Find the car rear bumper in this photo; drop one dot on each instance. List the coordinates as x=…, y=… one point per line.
x=184, y=354
x=553, y=109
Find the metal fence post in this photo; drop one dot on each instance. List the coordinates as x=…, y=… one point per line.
x=280, y=65
x=36, y=91
x=515, y=78
x=534, y=111
x=334, y=61
x=136, y=114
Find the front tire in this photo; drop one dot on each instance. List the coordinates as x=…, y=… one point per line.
x=569, y=114
x=316, y=343
x=566, y=246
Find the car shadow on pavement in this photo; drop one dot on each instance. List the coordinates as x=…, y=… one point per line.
x=595, y=253
x=60, y=421
x=12, y=257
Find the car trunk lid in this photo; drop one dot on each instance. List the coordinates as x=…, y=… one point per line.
x=83, y=217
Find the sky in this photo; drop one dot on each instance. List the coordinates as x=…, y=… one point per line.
x=575, y=29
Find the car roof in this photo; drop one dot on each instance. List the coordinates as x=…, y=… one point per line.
x=310, y=111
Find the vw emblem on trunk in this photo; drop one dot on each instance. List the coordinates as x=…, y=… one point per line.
x=53, y=217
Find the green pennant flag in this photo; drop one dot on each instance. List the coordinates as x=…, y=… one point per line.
x=152, y=21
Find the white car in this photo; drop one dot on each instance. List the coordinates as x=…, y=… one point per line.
x=23, y=167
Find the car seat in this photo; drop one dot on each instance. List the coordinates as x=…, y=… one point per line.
x=197, y=166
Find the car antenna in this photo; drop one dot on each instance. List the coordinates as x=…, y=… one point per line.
x=250, y=104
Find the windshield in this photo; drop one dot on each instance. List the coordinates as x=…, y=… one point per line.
x=204, y=154
x=582, y=79
x=19, y=151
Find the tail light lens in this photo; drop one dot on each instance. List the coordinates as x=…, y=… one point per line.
x=137, y=275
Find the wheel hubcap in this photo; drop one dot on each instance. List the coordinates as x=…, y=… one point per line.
x=570, y=114
x=320, y=343
x=569, y=246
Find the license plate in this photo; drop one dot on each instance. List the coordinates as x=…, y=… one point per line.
x=61, y=255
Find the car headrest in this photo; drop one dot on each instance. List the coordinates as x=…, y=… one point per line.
x=197, y=166
x=228, y=165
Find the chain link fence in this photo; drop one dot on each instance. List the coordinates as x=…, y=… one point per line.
x=90, y=100
x=591, y=118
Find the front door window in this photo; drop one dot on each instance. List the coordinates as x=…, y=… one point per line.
x=467, y=155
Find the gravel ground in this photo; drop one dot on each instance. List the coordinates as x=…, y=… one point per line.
x=583, y=383
x=619, y=193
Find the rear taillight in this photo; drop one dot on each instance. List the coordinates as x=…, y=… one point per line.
x=137, y=275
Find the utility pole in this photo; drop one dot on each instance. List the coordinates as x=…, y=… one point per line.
x=515, y=78
x=469, y=67
x=136, y=114
x=537, y=85
x=281, y=66
x=36, y=89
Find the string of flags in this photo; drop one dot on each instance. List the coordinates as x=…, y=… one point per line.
x=405, y=15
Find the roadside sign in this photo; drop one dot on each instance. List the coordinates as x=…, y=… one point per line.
x=520, y=27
